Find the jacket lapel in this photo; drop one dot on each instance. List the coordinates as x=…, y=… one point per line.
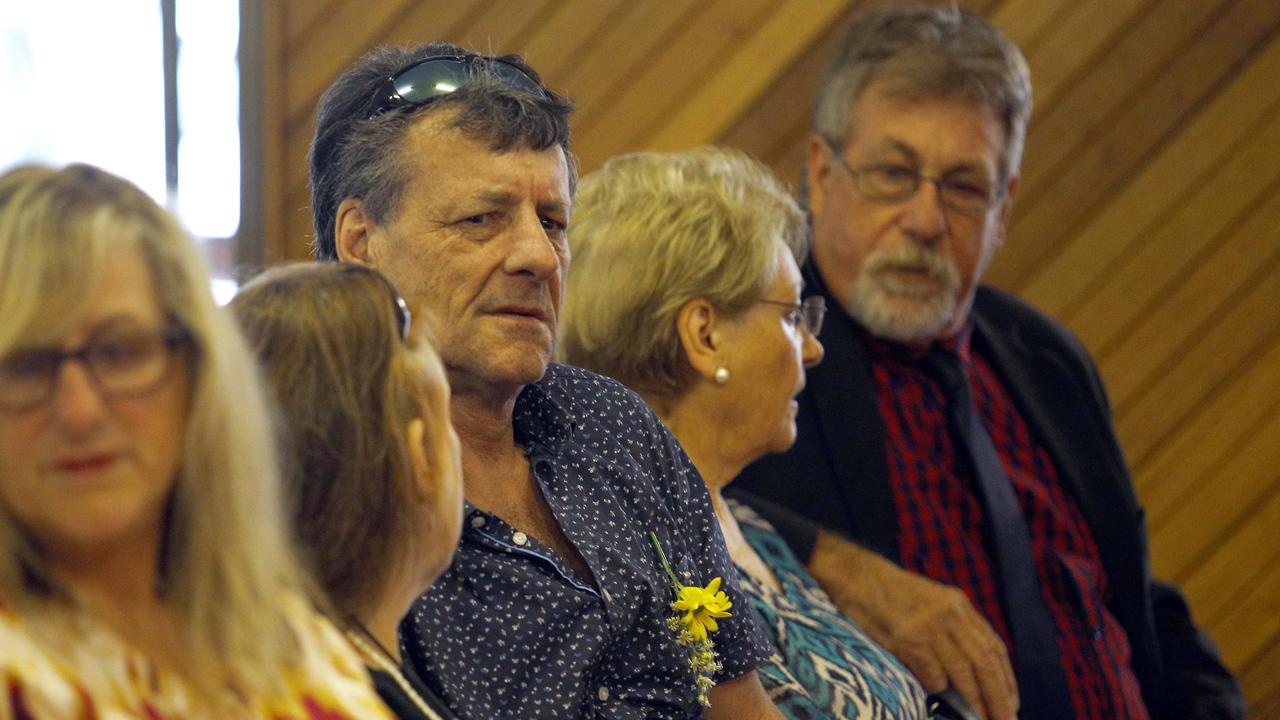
x=842, y=391
x=1053, y=402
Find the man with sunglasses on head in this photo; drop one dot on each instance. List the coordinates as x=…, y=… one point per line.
x=450, y=173
x=962, y=439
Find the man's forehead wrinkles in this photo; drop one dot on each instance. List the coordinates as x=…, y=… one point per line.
x=553, y=205
x=894, y=144
x=503, y=198
x=500, y=197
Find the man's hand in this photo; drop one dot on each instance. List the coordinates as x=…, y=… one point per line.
x=932, y=628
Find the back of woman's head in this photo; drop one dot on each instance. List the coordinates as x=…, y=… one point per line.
x=652, y=231
x=347, y=383
x=225, y=554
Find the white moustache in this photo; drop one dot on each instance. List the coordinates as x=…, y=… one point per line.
x=913, y=258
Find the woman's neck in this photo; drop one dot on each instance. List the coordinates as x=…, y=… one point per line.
x=121, y=572
x=382, y=624
x=718, y=463
x=705, y=447
x=118, y=584
x=381, y=619
x=705, y=442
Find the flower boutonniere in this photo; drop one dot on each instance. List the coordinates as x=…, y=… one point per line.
x=696, y=611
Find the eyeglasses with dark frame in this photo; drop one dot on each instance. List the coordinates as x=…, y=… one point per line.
x=894, y=182
x=119, y=363
x=808, y=313
x=433, y=78
x=404, y=319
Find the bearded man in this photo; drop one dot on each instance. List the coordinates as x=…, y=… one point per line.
x=960, y=438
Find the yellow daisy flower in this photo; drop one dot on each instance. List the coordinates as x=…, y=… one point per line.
x=701, y=607
x=696, y=611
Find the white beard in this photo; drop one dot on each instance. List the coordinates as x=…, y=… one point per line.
x=905, y=311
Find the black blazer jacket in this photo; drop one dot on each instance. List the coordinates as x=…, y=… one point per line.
x=836, y=477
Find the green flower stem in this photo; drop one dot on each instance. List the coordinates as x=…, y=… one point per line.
x=662, y=558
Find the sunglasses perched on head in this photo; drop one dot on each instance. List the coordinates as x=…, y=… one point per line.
x=403, y=318
x=433, y=78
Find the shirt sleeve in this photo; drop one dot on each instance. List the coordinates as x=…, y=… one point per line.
x=740, y=645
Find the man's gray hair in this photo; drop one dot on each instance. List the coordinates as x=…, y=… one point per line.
x=355, y=155
x=927, y=52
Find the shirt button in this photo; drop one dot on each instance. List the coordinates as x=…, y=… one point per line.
x=478, y=521
x=520, y=539
x=603, y=693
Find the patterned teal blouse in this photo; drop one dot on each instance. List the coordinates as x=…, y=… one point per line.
x=824, y=665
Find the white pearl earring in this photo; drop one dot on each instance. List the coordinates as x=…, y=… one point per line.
x=721, y=375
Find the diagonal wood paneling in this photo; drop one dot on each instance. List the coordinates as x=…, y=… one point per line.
x=673, y=71
x=1148, y=107
x=1070, y=44
x=1193, y=455
x=1062, y=284
x=1235, y=565
x=558, y=45
x=502, y=24
x=1191, y=536
x=1195, y=230
x=1259, y=681
x=730, y=89
x=1146, y=217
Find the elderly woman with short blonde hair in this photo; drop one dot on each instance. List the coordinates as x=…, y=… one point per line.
x=685, y=285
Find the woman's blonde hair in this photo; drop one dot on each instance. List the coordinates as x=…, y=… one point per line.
x=652, y=231
x=225, y=562
x=347, y=383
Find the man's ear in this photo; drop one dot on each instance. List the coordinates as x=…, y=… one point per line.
x=351, y=229
x=1006, y=210
x=817, y=167
x=696, y=323
x=414, y=433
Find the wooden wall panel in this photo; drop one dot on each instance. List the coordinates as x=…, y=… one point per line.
x=1245, y=558
x=1071, y=43
x=731, y=87
x=1259, y=681
x=1195, y=451
x=1197, y=227
x=1145, y=221
x=1150, y=107
x=667, y=74
x=560, y=43
x=1061, y=284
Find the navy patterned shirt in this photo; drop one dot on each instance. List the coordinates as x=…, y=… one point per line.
x=509, y=631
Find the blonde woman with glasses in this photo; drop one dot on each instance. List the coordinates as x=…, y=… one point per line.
x=144, y=567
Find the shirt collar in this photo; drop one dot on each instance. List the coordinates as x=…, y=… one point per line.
x=539, y=420
x=960, y=344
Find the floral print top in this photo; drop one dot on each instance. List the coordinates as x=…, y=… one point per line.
x=62, y=665
x=824, y=665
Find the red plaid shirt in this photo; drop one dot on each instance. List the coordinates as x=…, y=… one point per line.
x=940, y=522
